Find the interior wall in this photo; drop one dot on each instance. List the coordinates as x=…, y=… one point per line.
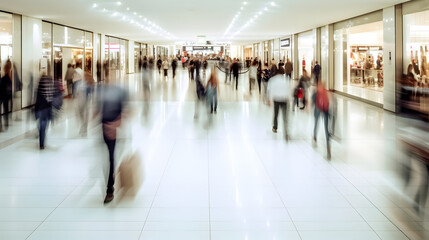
x=31, y=54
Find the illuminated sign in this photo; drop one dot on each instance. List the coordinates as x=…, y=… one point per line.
x=285, y=42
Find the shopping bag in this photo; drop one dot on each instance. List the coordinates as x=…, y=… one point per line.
x=130, y=173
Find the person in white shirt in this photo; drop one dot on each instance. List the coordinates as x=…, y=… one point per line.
x=279, y=91
x=77, y=77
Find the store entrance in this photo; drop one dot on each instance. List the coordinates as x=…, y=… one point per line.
x=64, y=56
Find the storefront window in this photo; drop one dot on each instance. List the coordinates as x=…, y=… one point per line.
x=324, y=60
x=306, y=46
x=88, y=52
x=415, y=80
x=69, y=44
x=45, y=62
x=137, y=56
x=358, y=57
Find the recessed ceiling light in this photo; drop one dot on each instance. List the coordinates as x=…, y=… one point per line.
x=245, y=3
x=273, y=4
x=135, y=13
x=145, y=19
x=119, y=3
x=140, y=16
x=128, y=9
x=266, y=9
x=94, y=5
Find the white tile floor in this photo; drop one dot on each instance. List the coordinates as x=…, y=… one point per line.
x=219, y=177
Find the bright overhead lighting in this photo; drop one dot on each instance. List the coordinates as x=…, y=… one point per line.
x=128, y=9
x=115, y=13
x=140, y=16
x=94, y=5
x=145, y=19
x=241, y=8
x=119, y=3
x=266, y=9
x=104, y=10
x=245, y=3
x=273, y=4
x=135, y=13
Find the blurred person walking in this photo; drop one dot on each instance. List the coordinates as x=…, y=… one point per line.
x=183, y=62
x=288, y=68
x=77, y=76
x=281, y=68
x=165, y=66
x=174, y=66
x=212, y=91
x=279, y=93
x=191, y=68
x=235, y=68
x=159, y=64
x=6, y=94
x=197, y=64
x=301, y=90
x=253, y=71
x=111, y=103
x=43, y=106
x=69, y=78
x=317, y=69
x=83, y=93
x=259, y=74
x=321, y=106
x=201, y=93
x=205, y=64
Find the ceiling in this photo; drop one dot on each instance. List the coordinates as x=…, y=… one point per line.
x=184, y=20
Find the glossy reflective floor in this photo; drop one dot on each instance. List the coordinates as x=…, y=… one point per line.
x=224, y=176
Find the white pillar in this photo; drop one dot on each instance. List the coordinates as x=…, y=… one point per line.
x=389, y=58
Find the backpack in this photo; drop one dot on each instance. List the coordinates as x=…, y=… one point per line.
x=322, y=99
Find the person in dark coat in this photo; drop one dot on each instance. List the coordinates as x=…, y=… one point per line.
x=6, y=93
x=43, y=106
x=174, y=66
x=235, y=68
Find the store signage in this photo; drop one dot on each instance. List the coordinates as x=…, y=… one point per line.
x=285, y=42
x=362, y=48
x=375, y=48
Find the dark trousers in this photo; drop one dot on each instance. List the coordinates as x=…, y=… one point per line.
x=44, y=116
x=259, y=84
x=325, y=115
x=111, y=180
x=277, y=106
x=226, y=74
x=289, y=75
x=5, y=102
x=174, y=72
x=159, y=69
x=236, y=81
x=165, y=72
x=192, y=73
x=317, y=77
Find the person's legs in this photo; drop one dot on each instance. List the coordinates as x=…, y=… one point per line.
x=259, y=84
x=215, y=99
x=283, y=106
x=236, y=81
x=316, y=119
x=276, y=114
x=165, y=72
x=111, y=179
x=6, y=111
x=328, y=144
x=43, y=123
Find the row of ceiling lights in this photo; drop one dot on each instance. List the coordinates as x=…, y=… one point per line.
x=254, y=18
x=235, y=18
x=137, y=20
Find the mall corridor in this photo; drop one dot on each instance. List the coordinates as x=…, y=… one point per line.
x=214, y=120
x=223, y=176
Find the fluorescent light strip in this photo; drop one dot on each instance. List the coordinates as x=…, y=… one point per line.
x=153, y=28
